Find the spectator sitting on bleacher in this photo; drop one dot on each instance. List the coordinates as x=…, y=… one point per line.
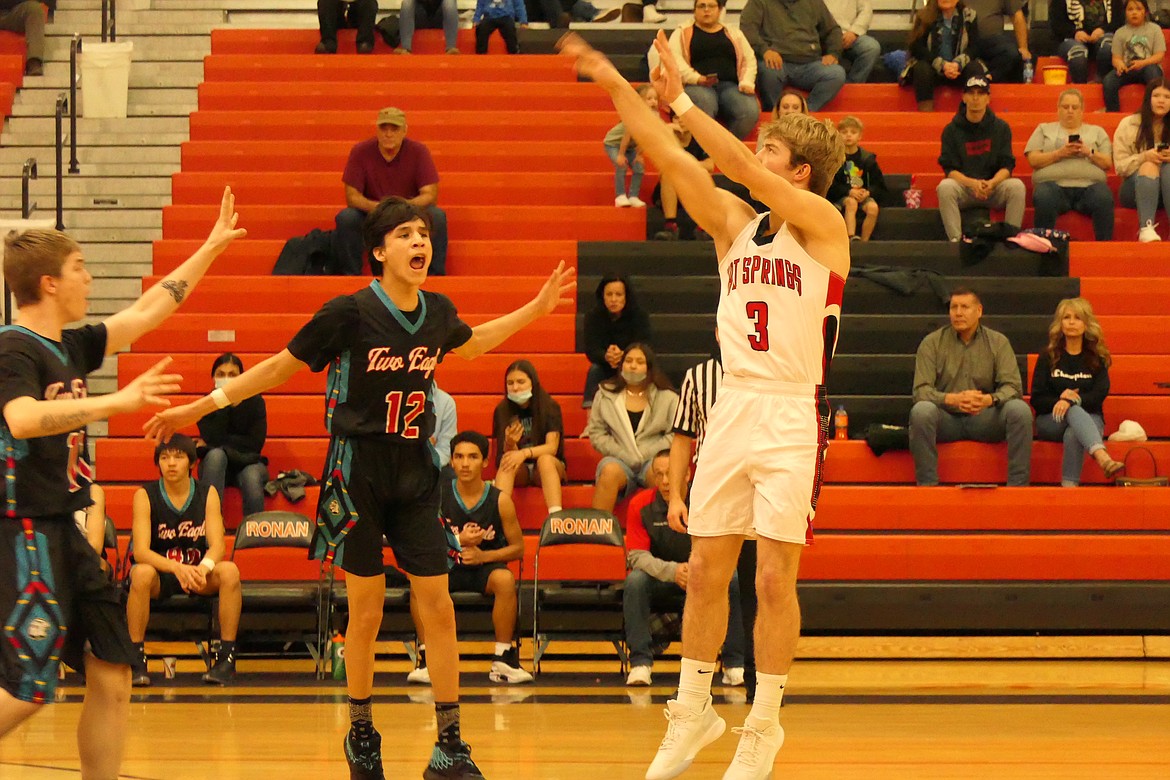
x=967, y=388
x=179, y=547
x=388, y=165
x=502, y=15
x=944, y=49
x=860, y=50
x=27, y=17
x=529, y=432
x=791, y=102
x=428, y=15
x=1138, y=50
x=859, y=185
x=657, y=557
x=665, y=194
x=630, y=421
x=977, y=161
x=796, y=42
x=561, y=13
x=718, y=67
x=231, y=440
x=1069, y=386
x=622, y=151
x=612, y=325
x=483, y=518
x=334, y=14
x=1085, y=29
x=1141, y=155
x=1003, y=51
x=1069, y=160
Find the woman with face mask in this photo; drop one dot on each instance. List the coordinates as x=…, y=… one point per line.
x=230, y=440
x=530, y=436
x=630, y=421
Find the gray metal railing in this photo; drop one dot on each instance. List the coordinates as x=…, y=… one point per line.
x=74, y=49
x=62, y=102
x=109, y=21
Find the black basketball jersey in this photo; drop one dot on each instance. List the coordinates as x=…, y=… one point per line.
x=178, y=533
x=47, y=475
x=485, y=513
x=381, y=362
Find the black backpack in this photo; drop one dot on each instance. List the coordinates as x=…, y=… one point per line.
x=308, y=255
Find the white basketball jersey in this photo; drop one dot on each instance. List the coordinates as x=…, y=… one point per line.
x=779, y=309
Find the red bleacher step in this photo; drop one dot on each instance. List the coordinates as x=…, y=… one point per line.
x=229, y=40
x=309, y=68
x=1125, y=258
x=1129, y=374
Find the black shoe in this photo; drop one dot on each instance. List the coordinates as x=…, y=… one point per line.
x=34, y=67
x=138, y=676
x=325, y=47
x=364, y=757
x=452, y=764
x=224, y=670
x=365, y=47
x=666, y=234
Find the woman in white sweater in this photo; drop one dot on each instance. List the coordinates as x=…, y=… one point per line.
x=1141, y=154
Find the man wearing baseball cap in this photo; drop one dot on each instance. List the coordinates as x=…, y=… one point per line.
x=389, y=164
x=977, y=160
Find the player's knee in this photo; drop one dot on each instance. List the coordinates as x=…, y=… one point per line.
x=228, y=574
x=142, y=576
x=106, y=682
x=775, y=584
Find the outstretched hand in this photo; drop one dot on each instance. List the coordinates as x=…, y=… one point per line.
x=149, y=388
x=666, y=78
x=166, y=423
x=591, y=63
x=225, y=231
x=558, y=290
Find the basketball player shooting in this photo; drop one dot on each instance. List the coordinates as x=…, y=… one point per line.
x=782, y=274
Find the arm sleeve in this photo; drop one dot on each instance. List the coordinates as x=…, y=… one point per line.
x=832, y=41
x=920, y=48
x=864, y=18
x=636, y=536
x=877, y=182
x=86, y=346
x=1035, y=141
x=1008, y=384
x=595, y=338
x=1044, y=395
x=599, y=434
x=1094, y=397
x=446, y=425
x=926, y=373
x=251, y=438
x=643, y=560
x=213, y=428
x=640, y=326
x=1126, y=155
x=1004, y=157
x=838, y=187
x=355, y=174
x=327, y=334
x=1062, y=27
x=1158, y=38
x=19, y=376
x=750, y=23
x=949, y=158
x=520, y=11
x=686, y=413
x=688, y=74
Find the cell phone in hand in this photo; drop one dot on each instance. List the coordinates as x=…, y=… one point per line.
x=1075, y=138
x=1162, y=147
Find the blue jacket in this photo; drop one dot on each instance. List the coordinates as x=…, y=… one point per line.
x=498, y=9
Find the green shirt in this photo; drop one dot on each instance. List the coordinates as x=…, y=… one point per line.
x=944, y=364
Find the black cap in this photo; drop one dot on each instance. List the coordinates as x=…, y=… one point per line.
x=978, y=83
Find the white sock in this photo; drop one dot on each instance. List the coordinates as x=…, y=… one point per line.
x=502, y=647
x=694, y=683
x=552, y=509
x=766, y=706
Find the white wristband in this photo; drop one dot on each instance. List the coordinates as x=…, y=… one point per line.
x=220, y=398
x=681, y=104
x=208, y=563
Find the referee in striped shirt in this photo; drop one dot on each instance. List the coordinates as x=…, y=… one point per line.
x=700, y=388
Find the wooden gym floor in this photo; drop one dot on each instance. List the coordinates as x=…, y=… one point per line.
x=964, y=717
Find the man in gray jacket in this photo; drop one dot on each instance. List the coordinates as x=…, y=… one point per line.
x=798, y=43
x=967, y=388
x=859, y=50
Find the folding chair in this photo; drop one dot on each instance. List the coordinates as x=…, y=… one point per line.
x=584, y=550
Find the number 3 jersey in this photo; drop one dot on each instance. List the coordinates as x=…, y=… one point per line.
x=47, y=475
x=381, y=361
x=779, y=309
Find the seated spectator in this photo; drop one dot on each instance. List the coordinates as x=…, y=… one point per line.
x=530, y=436
x=860, y=51
x=1141, y=154
x=1069, y=160
x=657, y=557
x=718, y=67
x=230, y=441
x=91, y=521
x=561, y=13
x=335, y=14
x=1003, y=52
x=796, y=42
x=446, y=424
x=502, y=15
x=178, y=540
x=612, y=325
x=977, y=160
x=944, y=49
x=859, y=185
x=630, y=421
x=483, y=519
x=1085, y=29
x=666, y=196
x=28, y=18
x=1138, y=49
x=389, y=164
x=428, y=15
x=1069, y=386
x=967, y=388
x=791, y=102
x=623, y=152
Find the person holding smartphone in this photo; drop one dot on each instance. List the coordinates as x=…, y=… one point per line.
x=1070, y=160
x=718, y=68
x=1141, y=153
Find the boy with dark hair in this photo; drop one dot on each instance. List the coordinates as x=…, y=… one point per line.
x=382, y=345
x=484, y=521
x=56, y=601
x=179, y=547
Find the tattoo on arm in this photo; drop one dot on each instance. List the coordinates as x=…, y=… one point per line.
x=176, y=287
x=52, y=424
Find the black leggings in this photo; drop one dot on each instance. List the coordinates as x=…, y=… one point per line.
x=507, y=27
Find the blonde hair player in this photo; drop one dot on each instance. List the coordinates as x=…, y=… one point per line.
x=782, y=274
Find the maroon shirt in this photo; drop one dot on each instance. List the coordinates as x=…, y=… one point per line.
x=404, y=176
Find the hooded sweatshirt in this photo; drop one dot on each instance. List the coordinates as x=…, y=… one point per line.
x=977, y=150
